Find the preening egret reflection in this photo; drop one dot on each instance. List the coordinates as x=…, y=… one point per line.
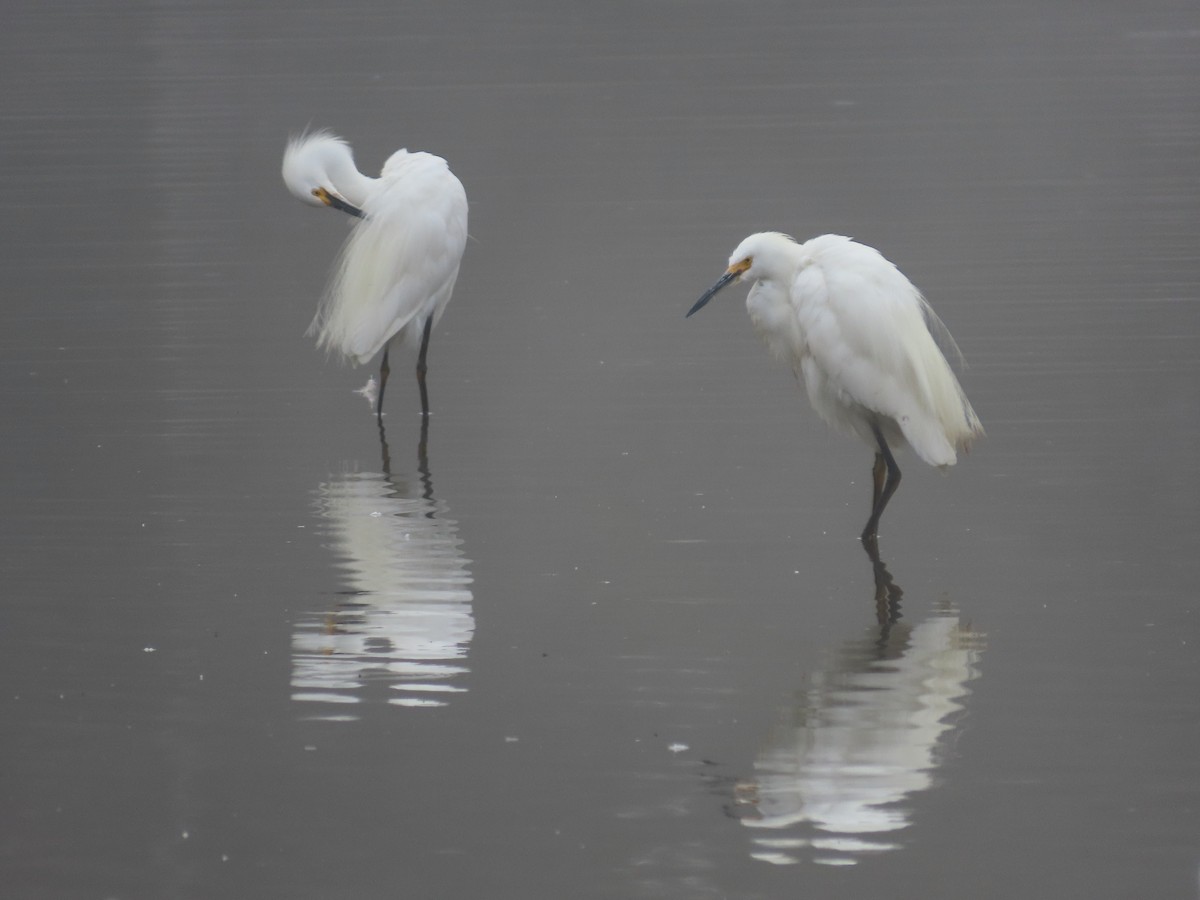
x=398, y=267
x=860, y=337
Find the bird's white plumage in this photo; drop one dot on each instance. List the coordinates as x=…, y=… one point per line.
x=398, y=267
x=400, y=263
x=860, y=337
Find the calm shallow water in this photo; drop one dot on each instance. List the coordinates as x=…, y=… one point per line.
x=611, y=633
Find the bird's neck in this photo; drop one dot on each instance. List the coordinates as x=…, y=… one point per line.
x=352, y=184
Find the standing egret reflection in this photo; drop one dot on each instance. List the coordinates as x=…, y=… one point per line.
x=866, y=732
x=860, y=337
x=398, y=267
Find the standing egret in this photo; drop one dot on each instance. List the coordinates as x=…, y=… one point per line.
x=859, y=336
x=398, y=267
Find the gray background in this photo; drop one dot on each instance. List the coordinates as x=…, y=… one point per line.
x=657, y=536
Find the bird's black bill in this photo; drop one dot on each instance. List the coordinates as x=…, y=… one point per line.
x=712, y=291
x=348, y=208
x=333, y=201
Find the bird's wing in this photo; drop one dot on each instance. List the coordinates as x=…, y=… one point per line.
x=399, y=263
x=866, y=331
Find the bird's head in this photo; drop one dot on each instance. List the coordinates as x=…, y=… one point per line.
x=309, y=166
x=755, y=258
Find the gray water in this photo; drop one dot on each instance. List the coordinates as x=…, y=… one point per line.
x=612, y=633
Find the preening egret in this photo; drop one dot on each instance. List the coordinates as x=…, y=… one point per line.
x=860, y=337
x=398, y=267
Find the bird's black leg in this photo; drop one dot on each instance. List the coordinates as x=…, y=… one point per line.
x=384, y=370
x=890, y=484
x=421, y=367
x=878, y=473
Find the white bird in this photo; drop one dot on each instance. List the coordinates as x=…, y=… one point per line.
x=398, y=267
x=860, y=337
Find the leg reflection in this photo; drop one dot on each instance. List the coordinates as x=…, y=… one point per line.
x=887, y=592
x=423, y=471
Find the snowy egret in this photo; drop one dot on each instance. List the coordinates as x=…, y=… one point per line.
x=398, y=267
x=861, y=339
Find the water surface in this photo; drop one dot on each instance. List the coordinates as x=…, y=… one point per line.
x=607, y=631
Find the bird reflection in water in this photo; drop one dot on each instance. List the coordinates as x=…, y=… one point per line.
x=864, y=735
x=402, y=630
